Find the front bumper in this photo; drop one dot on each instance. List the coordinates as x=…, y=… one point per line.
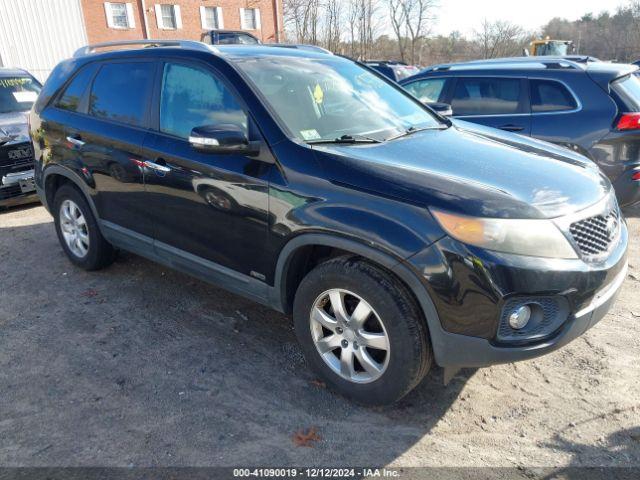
x=469, y=287
x=17, y=189
x=465, y=351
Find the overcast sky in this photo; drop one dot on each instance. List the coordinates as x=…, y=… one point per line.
x=467, y=15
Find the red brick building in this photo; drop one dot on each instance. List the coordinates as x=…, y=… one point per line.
x=184, y=19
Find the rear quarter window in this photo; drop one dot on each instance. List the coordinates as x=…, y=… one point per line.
x=73, y=94
x=550, y=96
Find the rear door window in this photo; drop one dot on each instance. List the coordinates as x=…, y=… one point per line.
x=120, y=92
x=550, y=96
x=427, y=89
x=487, y=96
x=72, y=97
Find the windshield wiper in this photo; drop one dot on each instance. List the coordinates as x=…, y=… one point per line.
x=7, y=139
x=412, y=130
x=347, y=139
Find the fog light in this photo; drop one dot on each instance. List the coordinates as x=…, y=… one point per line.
x=519, y=318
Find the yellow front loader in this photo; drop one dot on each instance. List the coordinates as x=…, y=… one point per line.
x=547, y=46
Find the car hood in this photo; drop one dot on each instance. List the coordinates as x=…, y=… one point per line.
x=472, y=170
x=15, y=126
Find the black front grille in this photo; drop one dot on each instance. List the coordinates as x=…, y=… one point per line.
x=594, y=235
x=15, y=158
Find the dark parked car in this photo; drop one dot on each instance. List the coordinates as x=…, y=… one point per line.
x=18, y=92
x=229, y=37
x=310, y=184
x=590, y=107
x=393, y=70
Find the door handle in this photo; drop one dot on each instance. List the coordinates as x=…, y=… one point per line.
x=75, y=141
x=157, y=166
x=512, y=128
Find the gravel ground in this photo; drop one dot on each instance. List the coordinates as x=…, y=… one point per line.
x=140, y=365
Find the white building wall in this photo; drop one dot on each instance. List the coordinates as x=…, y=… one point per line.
x=37, y=34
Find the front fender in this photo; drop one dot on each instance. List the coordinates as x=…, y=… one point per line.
x=403, y=270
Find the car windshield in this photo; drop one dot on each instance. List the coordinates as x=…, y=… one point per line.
x=17, y=94
x=333, y=98
x=628, y=88
x=559, y=49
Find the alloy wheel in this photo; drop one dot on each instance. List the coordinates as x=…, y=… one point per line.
x=349, y=336
x=74, y=228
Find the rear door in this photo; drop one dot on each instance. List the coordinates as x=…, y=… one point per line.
x=553, y=109
x=104, y=135
x=499, y=102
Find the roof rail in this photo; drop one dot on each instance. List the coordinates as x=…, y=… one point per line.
x=191, y=44
x=511, y=63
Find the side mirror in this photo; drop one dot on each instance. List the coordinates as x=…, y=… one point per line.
x=443, y=109
x=223, y=138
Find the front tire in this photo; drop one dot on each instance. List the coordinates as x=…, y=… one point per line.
x=78, y=231
x=361, y=331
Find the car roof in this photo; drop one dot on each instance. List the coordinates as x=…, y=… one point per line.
x=230, y=52
x=584, y=63
x=509, y=63
x=601, y=72
x=12, y=72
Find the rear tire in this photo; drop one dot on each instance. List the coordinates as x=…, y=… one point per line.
x=78, y=230
x=391, y=345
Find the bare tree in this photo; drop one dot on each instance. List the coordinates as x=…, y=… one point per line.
x=302, y=20
x=332, y=25
x=354, y=27
x=363, y=26
x=411, y=21
x=398, y=23
x=499, y=39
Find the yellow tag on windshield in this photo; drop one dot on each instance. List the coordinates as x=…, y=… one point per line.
x=318, y=94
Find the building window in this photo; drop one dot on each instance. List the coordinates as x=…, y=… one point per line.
x=250, y=18
x=168, y=16
x=119, y=15
x=211, y=18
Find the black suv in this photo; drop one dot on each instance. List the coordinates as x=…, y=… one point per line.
x=580, y=103
x=18, y=92
x=311, y=184
x=394, y=70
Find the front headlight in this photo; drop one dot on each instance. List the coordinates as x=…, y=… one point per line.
x=536, y=238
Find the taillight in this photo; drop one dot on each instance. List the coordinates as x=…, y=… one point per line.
x=629, y=121
x=636, y=176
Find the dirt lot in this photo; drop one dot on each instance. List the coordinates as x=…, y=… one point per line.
x=140, y=365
